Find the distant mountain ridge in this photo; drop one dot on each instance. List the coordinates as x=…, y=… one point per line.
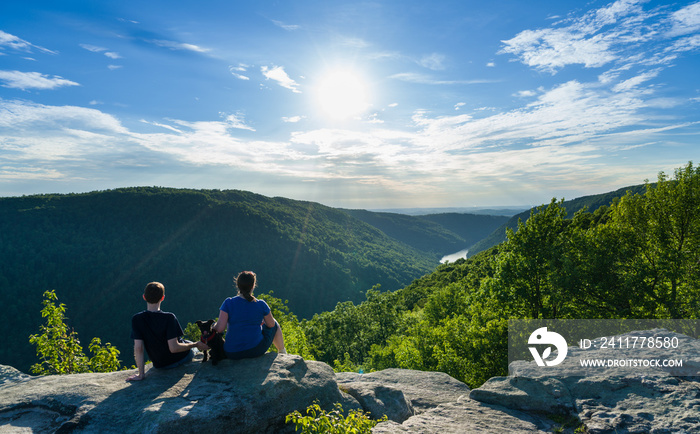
x=591, y=202
x=439, y=234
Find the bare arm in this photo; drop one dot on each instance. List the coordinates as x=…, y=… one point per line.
x=269, y=320
x=176, y=346
x=221, y=324
x=139, y=358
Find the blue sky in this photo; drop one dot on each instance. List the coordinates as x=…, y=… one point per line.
x=352, y=104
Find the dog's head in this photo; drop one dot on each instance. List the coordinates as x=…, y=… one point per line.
x=205, y=327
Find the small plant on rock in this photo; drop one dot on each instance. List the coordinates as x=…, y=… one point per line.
x=319, y=421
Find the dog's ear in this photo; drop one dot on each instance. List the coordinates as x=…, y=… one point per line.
x=199, y=323
x=210, y=322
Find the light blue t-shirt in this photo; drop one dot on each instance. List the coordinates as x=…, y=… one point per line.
x=245, y=320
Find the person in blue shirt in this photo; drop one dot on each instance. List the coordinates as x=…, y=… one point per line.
x=251, y=326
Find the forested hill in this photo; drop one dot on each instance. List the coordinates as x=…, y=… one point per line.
x=441, y=234
x=591, y=203
x=98, y=250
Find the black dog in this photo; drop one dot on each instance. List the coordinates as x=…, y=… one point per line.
x=214, y=340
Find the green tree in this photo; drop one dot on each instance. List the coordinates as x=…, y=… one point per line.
x=59, y=349
x=525, y=269
x=663, y=227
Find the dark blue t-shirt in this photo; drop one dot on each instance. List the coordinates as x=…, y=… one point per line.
x=245, y=320
x=155, y=329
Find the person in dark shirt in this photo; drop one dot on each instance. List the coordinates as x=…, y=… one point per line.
x=158, y=333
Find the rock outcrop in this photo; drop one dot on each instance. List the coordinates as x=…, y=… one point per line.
x=255, y=395
x=609, y=399
x=246, y=396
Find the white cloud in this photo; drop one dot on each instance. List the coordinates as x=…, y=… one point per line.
x=592, y=40
x=177, y=46
x=434, y=61
x=93, y=48
x=413, y=77
x=634, y=82
x=277, y=73
x=352, y=42
x=236, y=71
x=525, y=93
x=689, y=43
x=12, y=173
x=293, y=119
x=237, y=121
x=552, y=49
x=288, y=27
x=15, y=43
x=113, y=67
x=32, y=80
x=686, y=20
x=103, y=50
x=459, y=105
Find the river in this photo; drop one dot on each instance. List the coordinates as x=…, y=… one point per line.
x=462, y=254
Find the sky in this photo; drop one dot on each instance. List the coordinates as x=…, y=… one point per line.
x=353, y=104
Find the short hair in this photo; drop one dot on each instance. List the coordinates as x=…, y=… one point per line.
x=154, y=292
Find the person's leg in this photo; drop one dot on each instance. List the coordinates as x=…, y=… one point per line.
x=278, y=340
x=269, y=337
x=188, y=358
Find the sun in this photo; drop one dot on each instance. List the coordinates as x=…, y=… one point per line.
x=342, y=94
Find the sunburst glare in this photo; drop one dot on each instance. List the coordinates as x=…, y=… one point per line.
x=342, y=94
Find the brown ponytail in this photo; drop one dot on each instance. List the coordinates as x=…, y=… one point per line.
x=245, y=282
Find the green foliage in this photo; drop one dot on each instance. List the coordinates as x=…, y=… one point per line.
x=192, y=332
x=295, y=340
x=105, y=357
x=320, y=421
x=638, y=257
x=347, y=365
x=59, y=349
x=352, y=329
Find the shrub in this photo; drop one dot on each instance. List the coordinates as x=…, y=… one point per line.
x=59, y=349
x=319, y=421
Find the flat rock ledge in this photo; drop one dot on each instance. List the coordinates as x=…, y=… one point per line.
x=246, y=396
x=255, y=395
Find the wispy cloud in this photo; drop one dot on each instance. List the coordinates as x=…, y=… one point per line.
x=685, y=20
x=238, y=70
x=96, y=49
x=434, y=61
x=288, y=27
x=177, y=46
x=278, y=74
x=591, y=40
x=15, y=43
x=237, y=121
x=33, y=80
x=413, y=77
x=622, y=33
